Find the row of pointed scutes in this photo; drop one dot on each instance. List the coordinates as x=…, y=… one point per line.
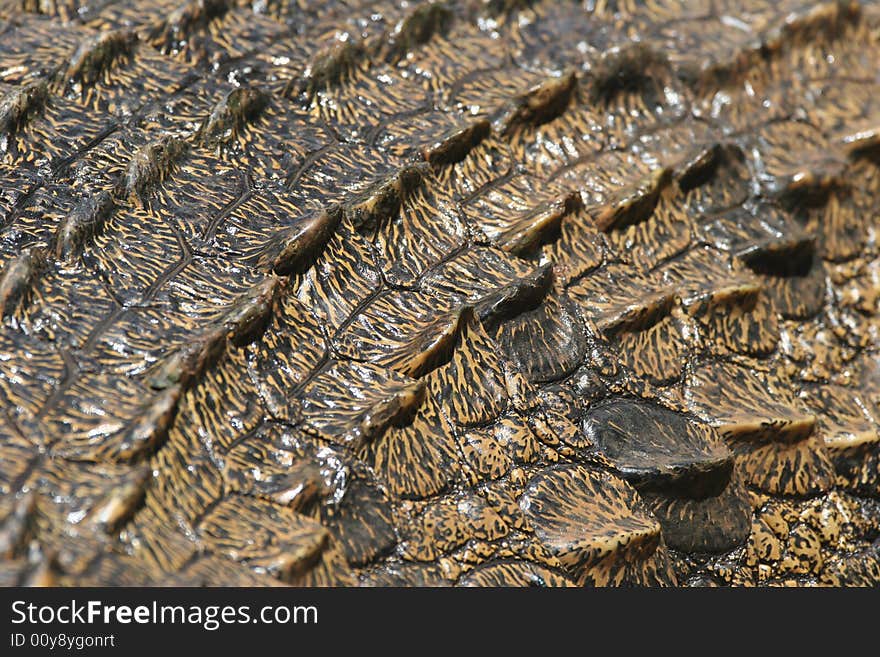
x=413, y=331
x=468, y=431
x=695, y=304
x=401, y=414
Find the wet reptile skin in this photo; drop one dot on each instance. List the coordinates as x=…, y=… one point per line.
x=450, y=293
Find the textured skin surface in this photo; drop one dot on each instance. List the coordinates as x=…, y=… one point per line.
x=446, y=293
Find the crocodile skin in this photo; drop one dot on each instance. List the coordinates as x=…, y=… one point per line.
x=439, y=293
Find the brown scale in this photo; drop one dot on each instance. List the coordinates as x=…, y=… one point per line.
x=637, y=315
x=815, y=538
x=227, y=328
x=212, y=570
x=488, y=162
x=129, y=266
x=419, y=460
x=809, y=174
x=447, y=62
x=850, y=430
x=40, y=129
x=282, y=466
x=282, y=543
x=16, y=468
x=822, y=57
x=546, y=343
x=546, y=36
x=406, y=573
x=413, y=344
x=730, y=308
x=848, y=114
x=257, y=313
x=854, y=320
x=490, y=279
x=183, y=461
x=426, y=230
x=290, y=349
x=195, y=32
x=660, y=237
x=343, y=277
x=724, y=183
x=107, y=498
x=162, y=546
x=182, y=114
x=429, y=134
x=856, y=288
x=33, y=227
x=773, y=436
x=128, y=433
x=113, y=72
x=470, y=387
x=17, y=185
x=56, y=315
x=252, y=132
x=36, y=47
x=516, y=216
x=748, y=60
x=815, y=353
x=335, y=411
x=839, y=224
x=574, y=135
x=688, y=149
x=367, y=99
x=362, y=521
x=222, y=406
x=334, y=171
x=775, y=247
x=101, y=168
x=634, y=87
x=197, y=205
x=593, y=524
x=282, y=240
x=66, y=10
x=579, y=249
x=490, y=453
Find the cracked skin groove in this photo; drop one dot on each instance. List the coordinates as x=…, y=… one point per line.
x=439, y=293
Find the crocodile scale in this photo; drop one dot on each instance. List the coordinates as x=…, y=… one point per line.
x=466, y=292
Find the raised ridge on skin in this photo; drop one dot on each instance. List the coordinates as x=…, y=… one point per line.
x=331, y=66
x=539, y=104
x=97, y=54
x=172, y=33
x=17, y=277
x=133, y=442
x=150, y=165
x=418, y=27
x=20, y=103
x=604, y=553
x=239, y=324
x=294, y=250
x=83, y=223
x=381, y=198
x=231, y=113
x=682, y=470
x=454, y=147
